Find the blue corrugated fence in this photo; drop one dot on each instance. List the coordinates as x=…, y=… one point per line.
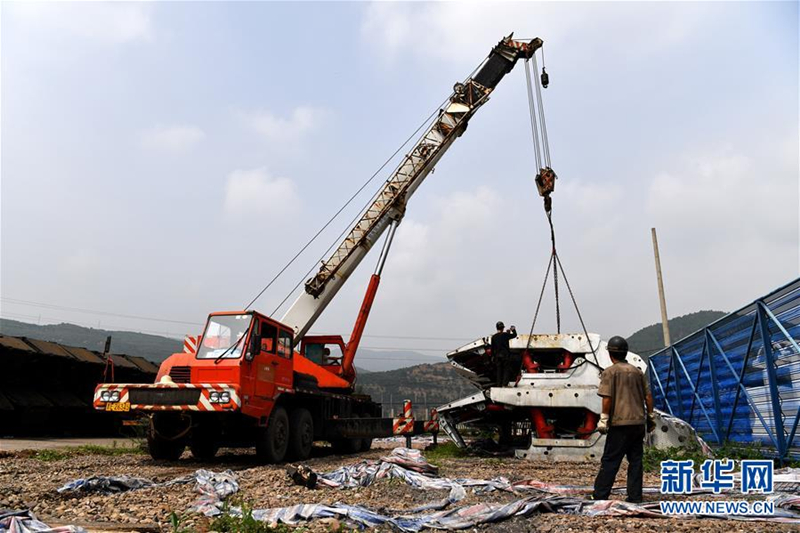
x=738, y=379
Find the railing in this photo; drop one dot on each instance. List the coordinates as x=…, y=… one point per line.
x=738, y=379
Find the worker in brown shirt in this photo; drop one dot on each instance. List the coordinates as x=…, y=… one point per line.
x=626, y=392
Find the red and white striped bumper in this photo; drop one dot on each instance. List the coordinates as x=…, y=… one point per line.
x=164, y=397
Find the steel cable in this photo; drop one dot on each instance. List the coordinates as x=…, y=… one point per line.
x=360, y=213
x=539, y=303
x=336, y=215
x=532, y=113
x=545, y=142
x=554, y=259
x=575, y=303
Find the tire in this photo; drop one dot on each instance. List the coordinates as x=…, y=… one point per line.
x=204, y=442
x=301, y=434
x=273, y=440
x=162, y=449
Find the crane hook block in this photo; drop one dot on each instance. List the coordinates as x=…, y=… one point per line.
x=546, y=181
x=545, y=78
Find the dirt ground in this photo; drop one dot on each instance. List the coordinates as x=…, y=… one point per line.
x=27, y=482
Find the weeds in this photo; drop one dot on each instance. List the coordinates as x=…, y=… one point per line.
x=227, y=523
x=87, y=449
x=651, y=460
x=734, y=451
x=447, y=450
x=738, y=451
x=176, y=521
x=94, y=449
x=51, y=455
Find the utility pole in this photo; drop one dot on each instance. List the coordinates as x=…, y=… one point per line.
x=664, y=319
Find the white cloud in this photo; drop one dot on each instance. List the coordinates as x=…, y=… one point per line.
x=586, y=196
x=274, y=128
x=432, y=262
x=461, y=31
x=81, y=263
x=725, y=194
x=727, y=226
x=255, y=192
x=468, y=214
x=172, y=138
x=107, y=22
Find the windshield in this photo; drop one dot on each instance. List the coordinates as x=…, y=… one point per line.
x=222, y=332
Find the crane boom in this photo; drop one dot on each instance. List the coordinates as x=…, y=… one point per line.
x=390, y=203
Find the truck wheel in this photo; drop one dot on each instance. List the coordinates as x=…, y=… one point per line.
x=161, y=448
x=204, y=442
x=301, y=434
x=272, y=441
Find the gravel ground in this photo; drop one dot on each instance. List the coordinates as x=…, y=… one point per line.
x=27, y=482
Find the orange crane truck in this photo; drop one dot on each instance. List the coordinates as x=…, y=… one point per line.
x=257, y=380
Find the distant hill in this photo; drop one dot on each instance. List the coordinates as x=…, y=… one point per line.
x=431, y=385
x=649, y=340
x=151, y=347
x=156, y=348
x=427, y=386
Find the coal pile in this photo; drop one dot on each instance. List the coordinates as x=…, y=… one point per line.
x=46, y=389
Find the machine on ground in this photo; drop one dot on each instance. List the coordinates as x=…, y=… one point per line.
x=551, y=412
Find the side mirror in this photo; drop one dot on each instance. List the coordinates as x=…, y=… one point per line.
x=255, y=347
x=255, y=344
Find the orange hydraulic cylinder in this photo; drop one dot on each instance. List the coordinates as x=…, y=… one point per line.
x=540, y=425
x=348, y=370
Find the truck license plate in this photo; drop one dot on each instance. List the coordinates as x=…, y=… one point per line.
x=119, y=406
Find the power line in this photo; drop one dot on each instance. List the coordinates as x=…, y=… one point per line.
x=58, y=307
x=437, y=350
x=336, y=215
x=171, y=335
x=43, y=305
x=408, y=337
x=407, y=359
x=94, y=311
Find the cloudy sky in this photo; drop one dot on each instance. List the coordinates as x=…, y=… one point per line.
x=163, y=160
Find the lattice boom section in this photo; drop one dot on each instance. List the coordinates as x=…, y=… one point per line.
x=411, y=171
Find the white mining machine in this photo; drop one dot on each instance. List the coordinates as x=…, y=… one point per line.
x=551, y=412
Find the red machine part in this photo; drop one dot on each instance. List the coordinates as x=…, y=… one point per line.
x=589, y=425
x=567, y=362
x=540, y=425
x=531, y=366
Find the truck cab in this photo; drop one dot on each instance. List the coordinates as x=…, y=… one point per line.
x=245, y=382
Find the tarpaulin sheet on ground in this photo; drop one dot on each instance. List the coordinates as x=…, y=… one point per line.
x=222, y=483
x=411, y=467
x=213, y=487
x=26, y=522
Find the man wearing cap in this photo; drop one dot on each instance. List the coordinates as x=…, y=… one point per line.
x=625, y=392
x=506, y=370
